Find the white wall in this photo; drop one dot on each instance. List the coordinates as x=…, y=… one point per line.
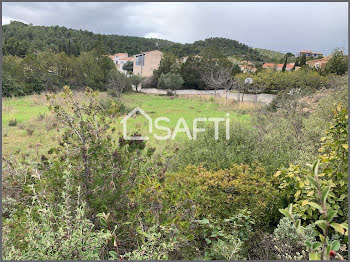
x=260, y=98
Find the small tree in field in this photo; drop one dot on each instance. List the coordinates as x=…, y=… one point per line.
x=135, y=80
x=170, y=81
x=217, y=70
x=117, y=83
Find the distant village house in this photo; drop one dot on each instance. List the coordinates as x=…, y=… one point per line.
x=318, y=63
x=120, y=59
x=310, y=54
x=278, y=67
x=145, y=63
x=247, y=69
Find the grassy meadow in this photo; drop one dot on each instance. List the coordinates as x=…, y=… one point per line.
x=36, y=129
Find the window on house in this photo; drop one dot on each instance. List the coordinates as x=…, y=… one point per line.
x=140, y=60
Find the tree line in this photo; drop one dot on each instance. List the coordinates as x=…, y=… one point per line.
x=20, y=39
x=49, y=71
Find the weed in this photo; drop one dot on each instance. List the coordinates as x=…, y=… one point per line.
x=41, y=116
x=13, y=122
x=30, y=131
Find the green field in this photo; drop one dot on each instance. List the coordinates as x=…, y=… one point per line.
x=36, y=130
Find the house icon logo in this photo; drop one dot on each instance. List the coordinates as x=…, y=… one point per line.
x=124, y=123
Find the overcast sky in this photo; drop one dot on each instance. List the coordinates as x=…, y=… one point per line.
x=277, y=26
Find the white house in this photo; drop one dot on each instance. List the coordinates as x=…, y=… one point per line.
x=122, y=61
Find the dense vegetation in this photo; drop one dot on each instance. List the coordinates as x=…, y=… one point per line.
x=112, y=198
x=20, y=39
x=95, y=195
x=39, y=58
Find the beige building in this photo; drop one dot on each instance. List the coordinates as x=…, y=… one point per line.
x=318, y=63
x=309, y=53
x=145, y=63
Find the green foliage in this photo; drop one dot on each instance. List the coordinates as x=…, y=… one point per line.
x=222, y=153
x=168, y=64
x=135, y=80
x=128, y=66
x=229, y=48
x=268, y=81
x=270, y=56
x=333, y=155
x=227, y=191
x=13, y=122
x=49, y=71
x=324, y=248
x=170, y=81
x=191, y=73
x=285, y=64
x=337, y=64
x=287, y=231
x=98, y=160
x=320, y=194
x=156, y=243
x=20, y=38
x=288, y=244
x=222, y=237
x=302, y=60
x=52, y=229
x=118, y=83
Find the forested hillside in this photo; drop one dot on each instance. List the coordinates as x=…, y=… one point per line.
x=20, y=39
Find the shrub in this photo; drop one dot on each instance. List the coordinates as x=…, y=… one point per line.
x=287, y=242
x=156, y=243
x=337, y=64
x=224, y=192
x=273, y=81
x=170, y=81
x=222, y=153
x=224, y=238
x=56, y=231
x=12, y=122
x=118, y=83
x=333, y=155
x=30, y=131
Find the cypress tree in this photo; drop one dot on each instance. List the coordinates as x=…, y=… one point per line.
x=296, y=63
x=285, y=63
x=303, y=60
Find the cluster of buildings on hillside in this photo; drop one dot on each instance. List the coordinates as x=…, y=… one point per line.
x=145, y=63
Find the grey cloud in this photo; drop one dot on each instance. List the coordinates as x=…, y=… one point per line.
x=277, y=26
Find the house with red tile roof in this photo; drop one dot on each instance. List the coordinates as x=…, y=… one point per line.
x=247, y=69
x=120, y=59
x=278, y=67
x=318, y=63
